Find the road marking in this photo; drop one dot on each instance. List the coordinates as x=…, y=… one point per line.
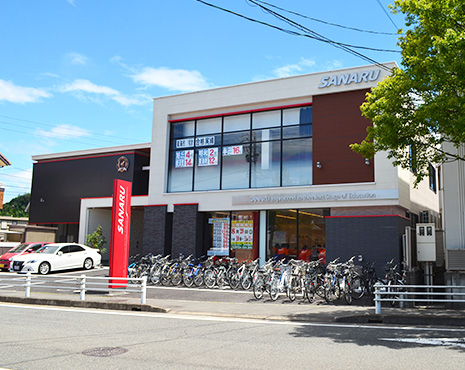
x=448, y=342
x=227, y=319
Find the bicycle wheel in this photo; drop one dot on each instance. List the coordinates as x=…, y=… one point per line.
x=198, y=279
x=209, y=278
x=187, y=277
x=221, y=279
x=274, y=292
x=234, y=281
x=176, y=277
x=358, y=287
x=246, y=281
x=259, y=289
x=347, y=290
x=292, y=289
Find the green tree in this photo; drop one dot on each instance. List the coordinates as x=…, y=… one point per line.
x=96, y=240
x=16, y=207
x=421, y=106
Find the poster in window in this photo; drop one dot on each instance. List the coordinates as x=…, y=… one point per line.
x=184, y=158
x=220, y=237
x=232, y=150
x=242, y=234
x=207, y=157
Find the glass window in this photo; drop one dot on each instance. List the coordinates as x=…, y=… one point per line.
x=183, y=129
x=209, y=126
x=266, y=164
x=266, y=134
x=75, y=248
x=236, y=138
x=297, y=162
x=266, y=119
x=243, y=157
x=237, y=122
x=235, y=168
x=181, y=171
x=291, y=116
x=282, y=237
x=297, y=131
x=207, y=169
x=312, y=234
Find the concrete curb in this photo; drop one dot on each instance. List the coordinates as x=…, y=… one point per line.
x=86, y=304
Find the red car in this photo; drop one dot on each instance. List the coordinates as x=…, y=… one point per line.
x=24, y=248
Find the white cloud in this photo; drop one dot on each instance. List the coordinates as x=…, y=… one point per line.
x=172, y=79
x=18, y=94
x=334, y=64
x=293, y=69
x=64, y=132
x=71, y=2
x=77, y=59
x=86, y=86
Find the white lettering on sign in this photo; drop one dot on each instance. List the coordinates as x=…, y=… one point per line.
x=348, y=78
x=122, y=200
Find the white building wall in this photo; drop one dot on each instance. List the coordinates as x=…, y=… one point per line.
x=453, y=178
x=281, y=92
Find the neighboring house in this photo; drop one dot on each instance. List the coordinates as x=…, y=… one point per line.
x=452, y=176
x=255, y=170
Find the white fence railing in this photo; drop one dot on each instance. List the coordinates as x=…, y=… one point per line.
x=81, y=284
x=417, y=294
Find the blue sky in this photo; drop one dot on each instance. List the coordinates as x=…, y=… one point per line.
x=81, y=74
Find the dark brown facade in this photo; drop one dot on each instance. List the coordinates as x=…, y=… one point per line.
x=337, y=123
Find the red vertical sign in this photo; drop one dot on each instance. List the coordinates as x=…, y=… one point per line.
x=120, y=228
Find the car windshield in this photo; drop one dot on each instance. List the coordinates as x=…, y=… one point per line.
x=48, y=249
x=20, y=248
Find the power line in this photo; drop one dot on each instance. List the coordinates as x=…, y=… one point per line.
x=328, y=23
x=313, y=35
x=385, y=12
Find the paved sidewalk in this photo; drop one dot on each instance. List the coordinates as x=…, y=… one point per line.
x=318, y=312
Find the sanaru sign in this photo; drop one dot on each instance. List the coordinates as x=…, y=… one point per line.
x=120, y=230
x=349, y=78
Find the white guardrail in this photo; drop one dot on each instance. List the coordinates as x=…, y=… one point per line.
x=81, y=284
x=417, y=293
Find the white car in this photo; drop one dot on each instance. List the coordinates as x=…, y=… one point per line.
x=57, y=256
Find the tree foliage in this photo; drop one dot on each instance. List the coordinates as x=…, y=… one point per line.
x=96, y=240
x=421, y=105
x=16, y=207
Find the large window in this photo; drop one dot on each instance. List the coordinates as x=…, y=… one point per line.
x=257, y=149
x=297, y=234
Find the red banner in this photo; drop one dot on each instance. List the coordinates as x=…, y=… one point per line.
x=120, y=229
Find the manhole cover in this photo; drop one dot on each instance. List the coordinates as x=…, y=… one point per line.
x=104, y=351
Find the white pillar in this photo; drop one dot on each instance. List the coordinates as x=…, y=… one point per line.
x=262, y=238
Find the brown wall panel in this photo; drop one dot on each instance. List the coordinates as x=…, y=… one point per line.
x=337, y=123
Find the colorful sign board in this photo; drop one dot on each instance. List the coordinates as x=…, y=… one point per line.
x=120, y=230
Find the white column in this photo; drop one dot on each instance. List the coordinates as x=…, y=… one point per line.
x=262, y=238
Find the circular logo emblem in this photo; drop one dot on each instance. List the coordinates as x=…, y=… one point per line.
x=122, y=164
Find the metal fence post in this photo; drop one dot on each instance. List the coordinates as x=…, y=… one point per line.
x=82, y=287
x=377, y=298
x=28, y=284
x=143, y=288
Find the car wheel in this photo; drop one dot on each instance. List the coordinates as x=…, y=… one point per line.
x=88, y=264
x=44, y=268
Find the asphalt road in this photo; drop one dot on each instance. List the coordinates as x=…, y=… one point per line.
x=62, y=338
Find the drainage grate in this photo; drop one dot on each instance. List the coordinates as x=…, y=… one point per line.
x=104, y=351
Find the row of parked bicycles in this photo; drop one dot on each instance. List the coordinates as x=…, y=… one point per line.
x=291, y=278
